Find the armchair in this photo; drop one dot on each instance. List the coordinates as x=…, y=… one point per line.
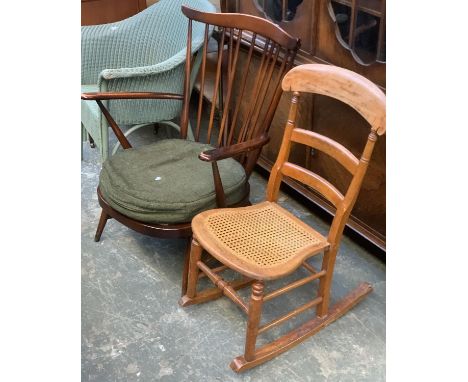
x=158, y=188
x=144, y=53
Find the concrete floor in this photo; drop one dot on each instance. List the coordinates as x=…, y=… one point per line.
x=134, y=330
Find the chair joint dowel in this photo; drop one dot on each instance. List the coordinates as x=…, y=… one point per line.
x=294, y=285
x=309, y=267
x=224, y=286
x=291, y=314
x=214, y=270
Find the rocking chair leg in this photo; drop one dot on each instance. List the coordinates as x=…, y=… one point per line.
x=186, y=266
x=296, y=336
x=325, y=282
x=255, y=312
x=195, y=256
x=102, y=223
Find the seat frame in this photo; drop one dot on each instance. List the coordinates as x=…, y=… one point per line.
x=367, y=99
x=240, y=136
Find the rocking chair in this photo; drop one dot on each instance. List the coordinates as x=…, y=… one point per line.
x=266, y=242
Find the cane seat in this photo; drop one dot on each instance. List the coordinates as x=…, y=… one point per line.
x=264, y=241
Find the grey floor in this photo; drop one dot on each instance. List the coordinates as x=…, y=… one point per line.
x=134, y=330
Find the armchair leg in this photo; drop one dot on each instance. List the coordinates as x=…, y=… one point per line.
x=195, y=256
x=102, y=223
x=186, y=267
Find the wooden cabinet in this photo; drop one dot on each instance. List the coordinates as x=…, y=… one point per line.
x=108, y=11
x=328, y=40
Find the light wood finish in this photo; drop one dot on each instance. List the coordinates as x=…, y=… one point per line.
x=348, y=87
x=294, y=285
x=300, y=334
x=255, y=311
x=266, y=242
x=213, y=293
x=263, y=241
x=227, y=289
x=290, y=315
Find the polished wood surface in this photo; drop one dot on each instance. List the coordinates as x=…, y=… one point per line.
x=108, y=11
x=238, y=239
x=324, y=115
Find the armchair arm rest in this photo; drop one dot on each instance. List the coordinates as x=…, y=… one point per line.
x=142, y=71
x=95, y=96
x=233, y=150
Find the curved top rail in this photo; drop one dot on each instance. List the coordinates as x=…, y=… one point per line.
x=349, y=87
x=245, y=22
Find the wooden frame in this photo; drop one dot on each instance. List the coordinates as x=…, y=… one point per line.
x=369, y=101
x=233, y=139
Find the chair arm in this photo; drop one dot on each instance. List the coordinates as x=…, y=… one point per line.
x=161, y=67
x=233, y=150
x=95, y=96
x=143, y=71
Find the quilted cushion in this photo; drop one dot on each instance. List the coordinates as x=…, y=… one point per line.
x=165, y=182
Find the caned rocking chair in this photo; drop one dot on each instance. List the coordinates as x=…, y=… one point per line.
x=265, y=242
x=158, y=188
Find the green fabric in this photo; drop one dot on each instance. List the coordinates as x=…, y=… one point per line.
x=145, y=52
x=91, y=116
x=165, y=182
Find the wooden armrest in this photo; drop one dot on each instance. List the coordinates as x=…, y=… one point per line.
x=95, y=96
x=233, y=150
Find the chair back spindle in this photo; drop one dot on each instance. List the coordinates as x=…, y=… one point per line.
x=246, y=88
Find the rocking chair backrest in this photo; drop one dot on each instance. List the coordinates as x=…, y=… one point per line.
x=245, y=111
x=359, y=93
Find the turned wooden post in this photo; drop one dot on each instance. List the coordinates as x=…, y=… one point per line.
x=255, y=311
x=328, y=264
x=195, y=256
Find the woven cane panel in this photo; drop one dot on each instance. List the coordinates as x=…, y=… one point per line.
x=262, y=236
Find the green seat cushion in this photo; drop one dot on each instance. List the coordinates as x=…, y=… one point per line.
x=165, y=182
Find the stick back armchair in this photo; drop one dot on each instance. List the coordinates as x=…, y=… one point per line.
x=158, y=188
x=266, y=242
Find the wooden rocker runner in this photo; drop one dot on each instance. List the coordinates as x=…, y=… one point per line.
x=265, y=242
